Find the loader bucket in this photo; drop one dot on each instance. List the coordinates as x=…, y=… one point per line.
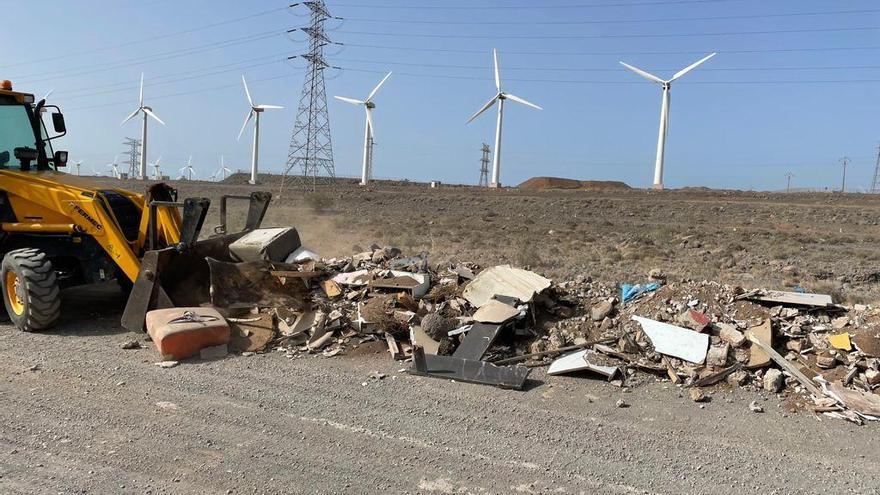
x=181, y=275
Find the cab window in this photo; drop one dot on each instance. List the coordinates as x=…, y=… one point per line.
x=15, y=132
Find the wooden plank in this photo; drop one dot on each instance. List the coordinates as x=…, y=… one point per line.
x=787, y=366
x=477, y=341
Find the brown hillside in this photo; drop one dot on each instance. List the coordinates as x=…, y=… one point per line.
x=548, y=183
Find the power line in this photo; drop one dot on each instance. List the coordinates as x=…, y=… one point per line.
x=144, y=40
x=615, y=53
x=582, y=81
x=168, y=55
x=531, y=7
x=612, y=21
x=609, y=69
x=608, y=36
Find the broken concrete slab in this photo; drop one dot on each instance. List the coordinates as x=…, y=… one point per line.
x=478, y=340
x=580, y=361
x=468, y=370
x=601, y=310
x=731, y=335
x=675, y=341
x=495, y=312
x=790, y=368
x=506, y=281
x=694, y=320
x=357, y=278
x=868, y=343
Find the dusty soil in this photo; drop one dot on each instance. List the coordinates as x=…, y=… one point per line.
x=82, y=415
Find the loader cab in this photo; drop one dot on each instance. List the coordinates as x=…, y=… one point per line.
x=25, y=141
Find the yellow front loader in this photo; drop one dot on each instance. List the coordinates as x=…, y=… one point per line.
x=58, y=230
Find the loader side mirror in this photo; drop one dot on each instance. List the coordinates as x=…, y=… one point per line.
x=58, y=123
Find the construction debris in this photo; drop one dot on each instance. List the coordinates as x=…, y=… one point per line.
x=492, y=325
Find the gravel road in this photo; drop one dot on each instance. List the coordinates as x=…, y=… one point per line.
x=82, y=415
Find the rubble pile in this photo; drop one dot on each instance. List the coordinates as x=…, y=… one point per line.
x=493, y=325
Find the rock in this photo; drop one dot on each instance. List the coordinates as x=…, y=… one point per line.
x=166, y=364
x=694, y=320
x=437, y=326
x=621, y=403
x=872, y=377
x=795, y=345
x=607, y=324
x=774, y=380
x=755, y=407
x=717, y=355
x=839, y=323
x=826, y=360
x=697, y=395
x=860, y=307
x=601, y=310
x=738, y=378
x=657, y=274
x=214, y=352
x=731, y=335
x=131, y=344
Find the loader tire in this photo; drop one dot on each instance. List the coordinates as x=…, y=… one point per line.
x=30, y=289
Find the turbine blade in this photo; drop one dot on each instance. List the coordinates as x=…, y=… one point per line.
x=483, y=109
x=350, y=100
x=646, y=75
x=373, y=93
x=48, y=94
x=246, y=120
x=520, y=100
x=269, y=107
x=131, y=116
x=141, y=96
x=158, y=160
x=691, y=67
x=370, y=121
x=497, y=74
x=247, y=91
x=151, y=114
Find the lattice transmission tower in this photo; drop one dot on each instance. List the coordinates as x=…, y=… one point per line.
x=134, y=157
x=875, y=184
x=484, y=166
x=310, y=158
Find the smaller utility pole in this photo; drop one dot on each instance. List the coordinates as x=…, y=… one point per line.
x=788, y=177
x=484, y=166
x=844, y=161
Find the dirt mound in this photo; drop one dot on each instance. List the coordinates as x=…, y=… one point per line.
x=545, y=183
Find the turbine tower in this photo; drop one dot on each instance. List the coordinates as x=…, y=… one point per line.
x=223, y=171
x=157, y=172
x=114, y=167
x=254, y=113
x=664, y=111
x=187, y=171
x=500, y=96
x=77, y=165
x=147, y=112
x=367, y=168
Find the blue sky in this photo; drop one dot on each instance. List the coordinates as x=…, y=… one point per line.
x=769, y=103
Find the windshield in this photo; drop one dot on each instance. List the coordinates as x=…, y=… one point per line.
x=15, y=132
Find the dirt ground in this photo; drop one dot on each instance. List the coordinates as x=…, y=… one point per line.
x=82, y=415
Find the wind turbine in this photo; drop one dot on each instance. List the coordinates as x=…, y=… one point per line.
x=254, y=113
x=187, y=171
x=367, y=168
x=114, y=166
x=157, y=172
x=147, y=112
x=500, y=96
x=222, y=171
x=77, y=165
x=664, y=111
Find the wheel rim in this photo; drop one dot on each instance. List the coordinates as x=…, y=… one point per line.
x=13, y=292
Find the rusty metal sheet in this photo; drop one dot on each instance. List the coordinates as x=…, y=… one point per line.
x=468, y=370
